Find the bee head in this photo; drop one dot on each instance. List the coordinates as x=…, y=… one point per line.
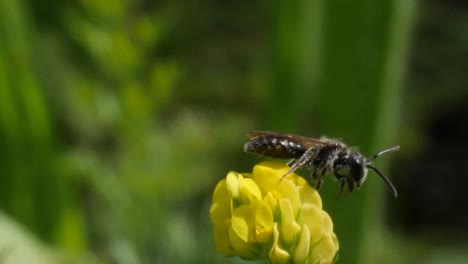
x=352, y=166
x=357, y=168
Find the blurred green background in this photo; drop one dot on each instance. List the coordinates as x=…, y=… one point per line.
x=117, y=118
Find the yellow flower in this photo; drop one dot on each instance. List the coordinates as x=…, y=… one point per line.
x=261, y=216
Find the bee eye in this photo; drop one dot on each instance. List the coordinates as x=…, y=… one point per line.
x=357, y=171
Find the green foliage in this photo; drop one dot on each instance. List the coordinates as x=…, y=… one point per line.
x=31, y=188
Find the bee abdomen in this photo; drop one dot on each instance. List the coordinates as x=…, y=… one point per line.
x=274, y=147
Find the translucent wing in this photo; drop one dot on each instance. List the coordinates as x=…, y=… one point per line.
x=304, y=141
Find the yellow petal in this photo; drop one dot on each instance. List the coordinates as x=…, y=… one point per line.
x=267, y=175
x=249, y=190
x=311, y=216
x=242, y=222
x=301, y=252
x=241, y=232
x=222, y=242
x=221, y=208
x=277, y=255
x=233, y=184
x=219, y=213
x=286, y=189
x=221, y=192
x=299, y=181
x=263, y=220
x=243, y=249
x=288, y=226
x=310, y=195
x=272, y=203
x=327, y=222
x=335, y=241
x=263, y=214
x=324, y=252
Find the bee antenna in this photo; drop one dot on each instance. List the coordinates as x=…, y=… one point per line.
x=385, y=151
x=386, y=180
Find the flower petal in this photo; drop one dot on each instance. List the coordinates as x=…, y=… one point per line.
x=312, y=217
x=272, y=203
x=327, y=222
x=309, y=195
x=219, y=213
x=241, y=232
x=221, y=208
x=242, y=222
x=335, y=241
x=268, y=174
x=222, y=242
x=221, y=192
x=243, y=249
x=288, y=226
x=263, y=220
x=249, y=190
x=325, y=251
x=287, y=189
x=277, y=255
x=301, y=252
x=233, y=184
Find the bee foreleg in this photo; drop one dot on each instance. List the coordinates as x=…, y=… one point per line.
x=297, y=163
x=342, y=185
x=318, y=177
x=319, y=184
x=314, y=174
x=350, y=186
x=291, y=162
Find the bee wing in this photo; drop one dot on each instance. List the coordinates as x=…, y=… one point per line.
x=305, y=141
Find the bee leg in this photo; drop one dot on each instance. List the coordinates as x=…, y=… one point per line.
x=350, y=186
x=314, y=173
x=314, y=180
x=300, y=162
x=319, y=178
x=342, y=185
x=291, y=162
x=319, y=184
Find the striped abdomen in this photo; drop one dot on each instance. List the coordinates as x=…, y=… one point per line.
x=274, y=147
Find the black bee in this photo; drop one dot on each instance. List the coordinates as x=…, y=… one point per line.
x=322, y=156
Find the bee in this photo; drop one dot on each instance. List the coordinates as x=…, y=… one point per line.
x=322, y=156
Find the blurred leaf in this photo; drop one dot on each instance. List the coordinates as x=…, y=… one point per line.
x=18, y=246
